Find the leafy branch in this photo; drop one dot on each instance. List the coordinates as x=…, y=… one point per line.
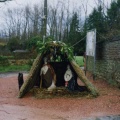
x=57, y=49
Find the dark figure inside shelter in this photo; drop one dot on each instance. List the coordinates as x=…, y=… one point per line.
x=20, y=80
x=53, y=72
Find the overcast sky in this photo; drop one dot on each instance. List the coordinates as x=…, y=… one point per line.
x=21, y=3
x=72, y=4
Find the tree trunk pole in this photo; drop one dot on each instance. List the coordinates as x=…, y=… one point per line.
x=84, y=79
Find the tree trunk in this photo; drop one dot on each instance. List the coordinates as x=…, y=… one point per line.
x=84, y=79
x=32, y=77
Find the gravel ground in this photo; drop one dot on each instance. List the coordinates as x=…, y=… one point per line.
x=104, y=107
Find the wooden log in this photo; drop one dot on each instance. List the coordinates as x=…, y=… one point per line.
x=30, y=81
x=84, y=79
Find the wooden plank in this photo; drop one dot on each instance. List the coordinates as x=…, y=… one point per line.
x=84, y=79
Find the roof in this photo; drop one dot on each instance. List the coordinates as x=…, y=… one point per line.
x=20, y=51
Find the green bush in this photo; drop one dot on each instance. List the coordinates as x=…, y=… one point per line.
x=14, y=68
x=4, y=60
x=6, y=57
x=32, y=43
x=13, y=44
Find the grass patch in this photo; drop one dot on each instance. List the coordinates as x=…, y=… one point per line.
x=4, y=58
x=79, y=60
x=3, y=43
x=14, y=68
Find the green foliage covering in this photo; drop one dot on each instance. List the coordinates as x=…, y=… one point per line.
x=58, y=50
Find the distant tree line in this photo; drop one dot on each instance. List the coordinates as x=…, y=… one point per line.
x=24, y=27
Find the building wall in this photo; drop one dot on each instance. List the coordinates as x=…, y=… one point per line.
x=107, y=64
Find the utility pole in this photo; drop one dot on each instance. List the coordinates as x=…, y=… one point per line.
x=5, y=0
x=45, y=17
x=44, y=21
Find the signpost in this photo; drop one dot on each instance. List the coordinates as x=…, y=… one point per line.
x=45, y=15
x=91, y=47
x=3, y=0
x=44, y=21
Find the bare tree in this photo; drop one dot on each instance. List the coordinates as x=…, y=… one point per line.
x=85, y=8
x=67, y=22
x=13, y=20
x=52, y=21
x=57, y=20
x=26, y=22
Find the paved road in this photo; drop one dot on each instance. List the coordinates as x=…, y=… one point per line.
x=29, y=108
x=9, y=74
x=117, y=117
x=15, y=112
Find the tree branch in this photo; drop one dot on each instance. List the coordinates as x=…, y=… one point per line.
x=5, y=0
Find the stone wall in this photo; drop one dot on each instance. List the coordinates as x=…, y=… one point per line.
x=107, y=64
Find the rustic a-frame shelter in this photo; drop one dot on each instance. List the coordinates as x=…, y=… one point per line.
x=61, y=57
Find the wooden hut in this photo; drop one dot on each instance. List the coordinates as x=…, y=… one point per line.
x=60, y=55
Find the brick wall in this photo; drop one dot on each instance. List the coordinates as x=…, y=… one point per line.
x=107, y=63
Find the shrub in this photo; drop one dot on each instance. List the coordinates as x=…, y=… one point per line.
x=13, y=44
x=4, y=60
x=32, y=43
